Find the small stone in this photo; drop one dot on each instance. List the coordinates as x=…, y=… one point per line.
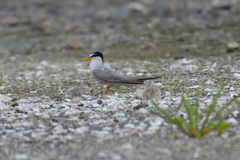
x=102, y=154
x=235, y=113
x=116, y=157
x=19, y=156
x=180, y=54
x=129, y=125
x=139, y=107
x=75, y=100
x=138, y=94
x=44, y=63
x=82, y=129
x=99, y=101
x=237, y=75
x=143, y=111
x=73, y=45
x=137, y=7
x=232, y=46
x=209, y=82
x=127, y=146
x=45, y=106
x=232, y=121
x=39, y=73
x=21, y=51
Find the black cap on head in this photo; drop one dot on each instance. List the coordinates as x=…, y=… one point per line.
x=96, y=54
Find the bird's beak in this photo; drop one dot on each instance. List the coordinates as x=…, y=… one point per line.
x=85, y=59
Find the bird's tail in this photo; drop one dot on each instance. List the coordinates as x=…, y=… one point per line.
x=150, y=78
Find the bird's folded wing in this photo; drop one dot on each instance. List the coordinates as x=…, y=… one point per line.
x=110, y=76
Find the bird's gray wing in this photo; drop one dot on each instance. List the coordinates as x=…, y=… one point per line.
x=109, y=76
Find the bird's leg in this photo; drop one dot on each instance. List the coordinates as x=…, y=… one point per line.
x=106, y=90
x=146, y=101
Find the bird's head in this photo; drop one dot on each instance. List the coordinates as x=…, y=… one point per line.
x=96, y=54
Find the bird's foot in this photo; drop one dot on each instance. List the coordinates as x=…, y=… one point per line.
x=106, y=90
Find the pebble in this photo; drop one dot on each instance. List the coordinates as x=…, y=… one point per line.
x=44, y=106
x=99, y=134
x=73, y=45
x=137, y=7
x=40, y=73
x=102, y=154
x=127, y=146
x=19, y=156
x=232, y=46
x=143, y=111
x=129, y=125
x=180, y=54
x=71, y=112
x=209, y=82
x=99, y=101
x=75, y=100
x=5, y=99
x=232, y=121
x=82, y=129
x=237, y=75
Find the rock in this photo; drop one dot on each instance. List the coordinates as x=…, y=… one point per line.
x=143, y=111
x=139, y=107
x=39, y=73
x=73, y=45
x=232, y=121
x=20, y=50
x=180, y=54
x=221, y=5
x=137, y=7
x=75, y=100
x=138, y=94
x=232, y=46
x=99, y=101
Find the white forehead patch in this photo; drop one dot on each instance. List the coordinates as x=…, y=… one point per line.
x=91, y=55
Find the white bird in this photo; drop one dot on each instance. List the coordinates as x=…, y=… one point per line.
x=107, y=76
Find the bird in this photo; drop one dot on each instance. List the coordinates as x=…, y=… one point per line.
x=108, y=76
x=84, y=88
x=150, y=91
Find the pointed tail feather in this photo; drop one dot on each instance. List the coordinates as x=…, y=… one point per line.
x=150, y=78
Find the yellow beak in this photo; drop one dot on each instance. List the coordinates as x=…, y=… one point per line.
x=85, y=59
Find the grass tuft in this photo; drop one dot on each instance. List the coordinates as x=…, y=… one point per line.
x=197, y=124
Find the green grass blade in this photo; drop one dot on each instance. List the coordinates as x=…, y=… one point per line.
x=224, y=107
x=221, y=126
x=165, y=114
x=212, y=106
x=190, y=125
x=169, y=118
x=192, y=112
x=214, y=102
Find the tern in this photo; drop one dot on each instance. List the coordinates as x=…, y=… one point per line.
x=151, y=91
x=108, y=76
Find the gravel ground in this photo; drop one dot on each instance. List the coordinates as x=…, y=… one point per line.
x=42, y=41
